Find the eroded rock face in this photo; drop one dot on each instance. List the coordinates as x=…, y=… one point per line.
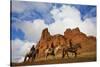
x=63, y=40
x=75, y=35
x=59, y=40
x=45, y=34
x=44, y=41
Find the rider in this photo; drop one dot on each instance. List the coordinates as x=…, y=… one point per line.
x=70, y=43
x=33, y=49
x=52, y=46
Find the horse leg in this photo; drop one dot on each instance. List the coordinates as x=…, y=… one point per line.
x=29, y=59
x=75, y=54
x=53, y=55
x=25, y=58
x=67, y=54
x=63, y=54
x=47, y=55
x=33, y=57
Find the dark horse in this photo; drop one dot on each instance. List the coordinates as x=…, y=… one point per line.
x=31, y=55
x=50, y=51
x=72, y=49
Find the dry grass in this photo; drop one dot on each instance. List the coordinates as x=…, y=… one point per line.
x=83, y=57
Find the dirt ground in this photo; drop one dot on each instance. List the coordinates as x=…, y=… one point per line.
x=83, y=57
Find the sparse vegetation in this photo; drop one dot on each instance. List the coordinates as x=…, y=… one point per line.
x=83, y=57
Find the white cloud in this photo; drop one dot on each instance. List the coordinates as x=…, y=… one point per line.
x=32, y=30
x=65, y=12
x=88, y=27
x=69, y=17
x=19, y=49
x=65, y=17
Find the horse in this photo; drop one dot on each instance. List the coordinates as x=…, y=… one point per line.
x=49, y=51
x=52, y=51
x=31, y=55
x=57, y=48
x=72, y=50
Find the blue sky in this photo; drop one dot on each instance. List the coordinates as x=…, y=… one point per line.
x=30, y=14
x=28, y=19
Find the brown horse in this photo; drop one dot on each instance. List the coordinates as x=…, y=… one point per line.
x=73, y=49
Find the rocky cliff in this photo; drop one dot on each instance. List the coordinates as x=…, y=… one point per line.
x=75, y=35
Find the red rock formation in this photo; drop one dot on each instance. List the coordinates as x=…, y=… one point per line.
x=59, y=40
x=74, y=34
